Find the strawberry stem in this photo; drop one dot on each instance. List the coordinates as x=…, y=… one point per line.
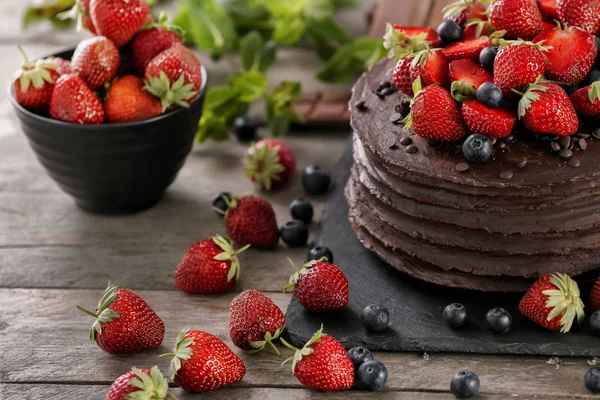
x=88, y=312
x=275, y=349
x=289, y=346
x=24, y=54
x=167, y=355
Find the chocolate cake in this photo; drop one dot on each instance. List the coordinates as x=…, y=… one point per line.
x=533, y=209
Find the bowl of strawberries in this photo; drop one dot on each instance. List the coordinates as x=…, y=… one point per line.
x=113, y=120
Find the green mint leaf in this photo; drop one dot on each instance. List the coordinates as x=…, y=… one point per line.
x=212, y=126
x=323, y=47
x=284, y=8
x=340, y=66
x=280, y=107
x=289, y=30
x=318, y=9
x=250, y=85
x=182, y=19
x=48, y=11
x=211, y=27
x=368, y=50
x=268, y=56
x=251, y=50
x=279, y=126
x=245, y=9
x=217, y=96
x=328, y=29
x=339, y=4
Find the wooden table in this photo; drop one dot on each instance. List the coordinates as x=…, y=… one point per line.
x=54, y=256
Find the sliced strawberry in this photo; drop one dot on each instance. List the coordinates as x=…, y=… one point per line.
x=469, y=71
x=491, y=122
x=413, y=31
x=466, y=48
x=548, y=26
x=477, y=28
x=548, y=8
x=400, y=41
x=463, y=11
x=432, y=67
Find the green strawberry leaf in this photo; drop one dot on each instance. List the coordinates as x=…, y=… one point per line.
x=594, y=92
x=462, y=91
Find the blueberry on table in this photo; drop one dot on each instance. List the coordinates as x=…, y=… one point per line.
x=498, y=320
x=220, y=205
x=316, y=253
x=294, y=234
x=245, y=129
x=464, y=384
x=359, y=356
x=302, y=210
x=487, y=57
x=490, y=95
x=316, y=179
x=375, y=318
x=477, y=148
x=450, y=32
x=592, y=380
x=456, y=316
x=595, y=323
x=371, y=375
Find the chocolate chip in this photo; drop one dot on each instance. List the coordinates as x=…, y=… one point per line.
x=506, y=174
x=396, y=118
x=510, y=139
x=385, y=84
x=566, y=153
x=596, y=133
x=582, y=144
x=406, y=141
x=412, y=149
x=462, y=167
x=555, y=146
x=380, y=95
x=583, y=135
x=565, y=142
x=387, y=91
x=574, y=162
x=522, y=164
x=376, y=87
x=361, y=105
x=502, y=145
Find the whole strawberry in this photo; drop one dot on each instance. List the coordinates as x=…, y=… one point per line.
x=463, y=11
x=553, y=302
x=209, y=266
x=584, y=14
x=34, y=82
x=518, y=64
x=402, y=78
x=73, y=101
x=521, y=19
x=546, y=108
x=251, y=220
x=96, y=61
x=435, y=115
x=127, y=101
x=270, y=163
x=145, y=384
x=400, y=41
x=125, y=323
x=174, y=76
x=322, y=364
x=431, y=66
x=202, y=363
x=492, y=122
x=594, y=301
x=319, y=286
x=587, y=100
x=64, y=66
x=255, y=321
x=118, y=20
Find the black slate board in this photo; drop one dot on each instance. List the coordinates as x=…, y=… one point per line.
x=416, y=306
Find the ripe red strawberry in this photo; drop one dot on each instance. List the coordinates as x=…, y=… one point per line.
x=463, y=11
x=125, y=323
x=145, y=384
x=546, y=108
x=174, y=76
x=128, y=101
x=64, y=66
x=251, y=220
x=548, y=8
x=319, y=286
x=469, y=71
x=322, y=364
x=255, y=321
x=587, y=100
x=402, y=78
x=202, y=363
x=594, y=300
x=118, y=20
x=209, y=266
x=521, y=19
x=584, y=14
x=270, y=163
x=491, y=122
x=435, y=115
x=553, y=302
x=73, y=101
x=34, y=82
x=518, y=64
x=431, y=66
x=548, y=26
x=467, y=48
x=571, y=54
x=96, y=60
x=400, y=41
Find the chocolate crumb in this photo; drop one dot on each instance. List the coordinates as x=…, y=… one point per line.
x=462, y=167
x=565, y=142
x=566, y=153
x=502, y=145
x=596, y=133
x=522, y=164
x=555, y=146
x=361, y=105
x=582, y=144
x=394, y=147
x=574, y=162
x=506, y=174
x=412, y=149
x=406, y=141
x=510, y=139
x=385, y=84
x=396, y=118
x=494, y=140
x=387, y=91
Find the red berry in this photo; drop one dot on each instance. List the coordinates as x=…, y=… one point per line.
x=128, y=101
x=491, y=122
x=463, y=11
x=521, y=19
x=34, y=82
x=518, y=64
x=402, y=78
x=118, y=20
x=146, y=384
x=270, y=163
x=251, y=220
x=400, y=41
x=587, y=100
x=73, y=101
x=469, y=71
x=584, y=14
x=467, y=48
x=432, y=67
x=96, y=61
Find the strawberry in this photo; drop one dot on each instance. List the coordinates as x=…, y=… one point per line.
x=209, y=266
x=584, y=14
x=125, y=323
x=477, y=28
x=434, y=114
x=322, y=364
x=128, y=101
x=270, y=163
x=571, y=54
x=255, y=321
x=96, y=60
x=80, y=13
x=174, y=76
x=34, y=82
x=594, y=300
x=431, y=66
x=548, y=8
x=491, y=122
x=587, y=100
x=469, y=71
x=545, y=108
x=118, y=20
x=145, y=384
x=251, y=220
x=548, y=26
x=319, y=286
x=518, y=64
x=73, y=101
x=463, y=11
x=202, y=363
x=553, y=302
x=467, y=48
x=153, y=39
x=400, y=41
x=402, y=78
x=521, y=19
x=64, y=66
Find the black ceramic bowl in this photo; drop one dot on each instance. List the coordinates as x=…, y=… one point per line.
x=114, y=168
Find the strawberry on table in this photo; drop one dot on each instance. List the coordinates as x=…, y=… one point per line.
x=127, y=101
x=118, y=20
x=553, y=302
x=202, y=362
x=125, y=323
x=319, y=286
x=34, y=82
x=270, y=163
x=470, y=72
x=491, y=122
x=587, y=100
x=518, y=64
x=73, y=101
x=255, y=321
x=400, y=41
x=140, y=384
x=401, y=76
x=431, y=66
x=470, y=48
x=209, y=266
x=521, y=19
x=584, y=14
x=463, y=11
x=96, y=60
x=251, y=220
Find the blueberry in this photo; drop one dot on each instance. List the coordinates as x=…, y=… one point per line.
x=490, y=95
x=592, y=380
x=450, y=32
x=219, y=203
x=487, y=57
x=464, y=384
x=294, y=234
x=595, y=323
x=359, y=356
x=302, y=210
x=592, y=77
x=375, y=318
x=477, y=148
x=456, y=316
x=316, y=179
x=371, y=375
x=245, y=129
x=498, y=320
x=316, y=253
